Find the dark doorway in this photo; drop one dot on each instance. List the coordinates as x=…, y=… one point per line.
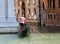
x=23, y=9
x=43, y=6
x=53, y=4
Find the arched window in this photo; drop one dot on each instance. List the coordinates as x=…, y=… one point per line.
x=51, y=4
x=29, y=11
x=43, y=6
x=35, y=11
x=23, y=8
x=59, y=3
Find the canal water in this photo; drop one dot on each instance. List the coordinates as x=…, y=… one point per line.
x=40, y=38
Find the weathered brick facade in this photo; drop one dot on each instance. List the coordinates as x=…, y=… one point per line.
x=52, y=11
x=49, y=10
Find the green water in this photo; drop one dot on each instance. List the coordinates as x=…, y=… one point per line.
x=32, y=39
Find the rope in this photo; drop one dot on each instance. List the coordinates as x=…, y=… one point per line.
x=38, y=31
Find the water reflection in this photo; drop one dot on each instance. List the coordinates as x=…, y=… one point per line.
x=32, y=39
x=49, y=29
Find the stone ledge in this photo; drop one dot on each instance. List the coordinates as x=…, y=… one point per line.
x=8, y=24
x=8, y=32
x=9, y=29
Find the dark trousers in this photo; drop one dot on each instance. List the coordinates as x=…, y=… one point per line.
x=22, y=25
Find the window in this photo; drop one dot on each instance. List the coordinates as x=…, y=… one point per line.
x=29, y=11
x=34, y=2
x=49, y=16
x=43, y=6
x=48, y=4
x=59, y=3
x=34, y=11
x=54, y=16
x=51, y=4
x=23, y=8
x=18, y=12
